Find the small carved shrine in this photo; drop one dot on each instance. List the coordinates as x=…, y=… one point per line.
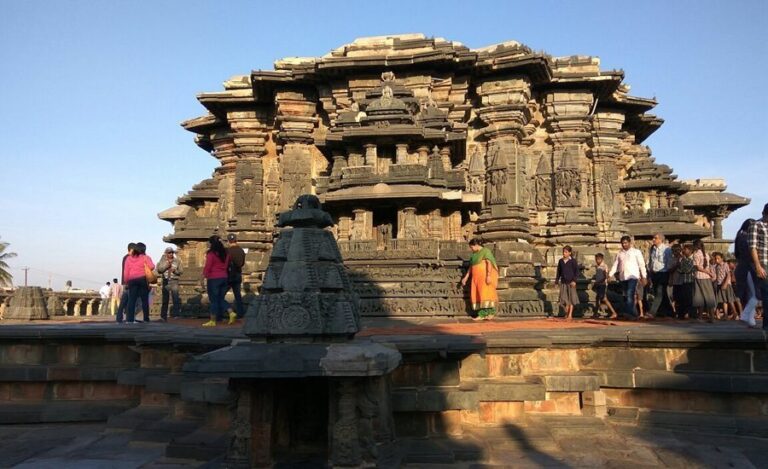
x=307, y=392
x=415, y=145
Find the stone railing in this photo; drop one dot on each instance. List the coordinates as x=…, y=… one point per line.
x=62, y=303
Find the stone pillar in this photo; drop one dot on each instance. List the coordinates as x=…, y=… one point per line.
x=423, y=151
x=362, y=225
x=345, y=228
x=370, y=155
x=355, y=157
x=296, y=114
x=717, y=227
x=445, y=156
x=401, y=153
x=408, y=225
x=504, y=217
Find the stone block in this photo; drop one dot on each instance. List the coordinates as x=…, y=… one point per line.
x=473, y=366
x=615, y=358
x=447, y=423
x=28, y=391
x=443, y=373
x=599, y=411
x=108, y=391
x=412, y=424
x=549, y=361
x=67, y=354
x=21, y=354
x=567, y=403
x=23, y=373
x=501, y=412
x=67, y=390
x=593, y=398
x=404, y=401
x=568, y=382
x=439, y=400
x=212, y=390
x=63, y=373
x=154, y=399
x=510, y=389
x=760, y=361
x=709, y=360
x=409, y=375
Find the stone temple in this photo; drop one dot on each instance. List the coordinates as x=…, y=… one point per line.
x=415, y=145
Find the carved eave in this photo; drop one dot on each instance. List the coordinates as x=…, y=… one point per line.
x=671, y=229
x=202, y=124
x=534, y=66
x=602, y=86
x=713, y=200
x=631, y=104
x=219, y=103
x=204, y=190
x=386, y=191
x=669, y=185
x=642, y=125
x=174, y=213
x=393, y=131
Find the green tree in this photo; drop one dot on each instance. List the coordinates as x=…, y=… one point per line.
x=5, y=276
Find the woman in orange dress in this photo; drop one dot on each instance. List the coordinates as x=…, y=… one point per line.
x=485, y=278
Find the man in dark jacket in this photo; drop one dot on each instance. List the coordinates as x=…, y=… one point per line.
x=235, y=275
x=169, y=268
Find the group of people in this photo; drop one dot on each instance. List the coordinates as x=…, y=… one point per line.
x=684, y=282
x=222, y=271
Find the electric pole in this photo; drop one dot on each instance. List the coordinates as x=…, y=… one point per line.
x=25, y=269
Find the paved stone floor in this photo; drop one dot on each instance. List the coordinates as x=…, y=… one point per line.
x=563, y=442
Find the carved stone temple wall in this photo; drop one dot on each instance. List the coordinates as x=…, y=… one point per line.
x=415, y=145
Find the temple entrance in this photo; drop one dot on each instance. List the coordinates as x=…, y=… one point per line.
x=384, y=226
x=300, y=423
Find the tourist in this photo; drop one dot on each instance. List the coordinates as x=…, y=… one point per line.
x=744, y=274
x=121, y=308
x=659, y=260
x=485, y=277
x=114, y=296
x=104, y=293
x=703, y=290
x=639, y=305
x=601, y=286
x=170, y=270
x=215, y=274
x=134, y=274
x=630, y=266
x=731, y=263
x=684, y=272
x=567, y=273
x=235, y=276
x=677, y=254
x=723, y=290
x=758, y=247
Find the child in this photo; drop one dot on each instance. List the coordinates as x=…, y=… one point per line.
x=567, y=273
x=723, y=289
x=736, y=301
x=677, y=253
x=684, y=277
x=601, y=286
x=639, y=293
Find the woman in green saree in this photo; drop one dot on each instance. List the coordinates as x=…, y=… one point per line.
x=484, y=273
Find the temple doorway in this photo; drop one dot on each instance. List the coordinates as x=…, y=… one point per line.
x=384, y=226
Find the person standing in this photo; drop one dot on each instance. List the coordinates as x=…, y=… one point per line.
x=114, y=296
x=659, y=262
x=485, y=278
x=104, y=293
x=134, y=273
x=235, y=276
x=169, y=268
x=123, y=306
x=744, y=274
x=601, y=286
x=703, y=287
x=758, y=247
x=630, y=266
x=215, y=275
x=567, y=273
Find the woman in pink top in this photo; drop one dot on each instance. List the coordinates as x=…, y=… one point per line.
x=136, y=282
x=215, y=273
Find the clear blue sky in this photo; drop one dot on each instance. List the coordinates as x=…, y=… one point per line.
x=92, y=94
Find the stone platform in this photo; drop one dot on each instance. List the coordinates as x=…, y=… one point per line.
x=467, y=394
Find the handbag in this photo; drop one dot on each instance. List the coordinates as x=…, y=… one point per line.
x=149, y=274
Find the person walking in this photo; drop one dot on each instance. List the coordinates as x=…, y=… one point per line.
x=744, y=274
x=134, y=272
x=703, y=287
x=235, y=276
x=215, y=275
x=170, y=270
x=630, y=266
x=567, y=273
x=758, y=247
x=114, y=296
x=123, y=306
x=485, y=278
x=659, y=262
x=104, y=293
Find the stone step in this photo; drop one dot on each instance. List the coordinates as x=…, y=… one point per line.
x=164, y=383
x=133, y=418
x=509, y=388
x=61, y=411
x=756, y=383
x=210, y=390
x=203, y=444
x=440, y=450
x=692, y=421
x=138, y=376
x=571, y=382
x=58, y=373
x=164, y=430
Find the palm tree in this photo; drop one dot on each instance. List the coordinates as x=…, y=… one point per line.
x=5, y=276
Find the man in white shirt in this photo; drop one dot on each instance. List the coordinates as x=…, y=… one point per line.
x=630, y=266
x=104, y=294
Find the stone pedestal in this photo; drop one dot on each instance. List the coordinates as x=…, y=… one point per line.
x=27, y=303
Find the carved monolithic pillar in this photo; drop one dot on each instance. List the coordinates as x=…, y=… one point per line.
x=568, y=113
x=605, y=150
x=504, y=217
x=296, y=116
